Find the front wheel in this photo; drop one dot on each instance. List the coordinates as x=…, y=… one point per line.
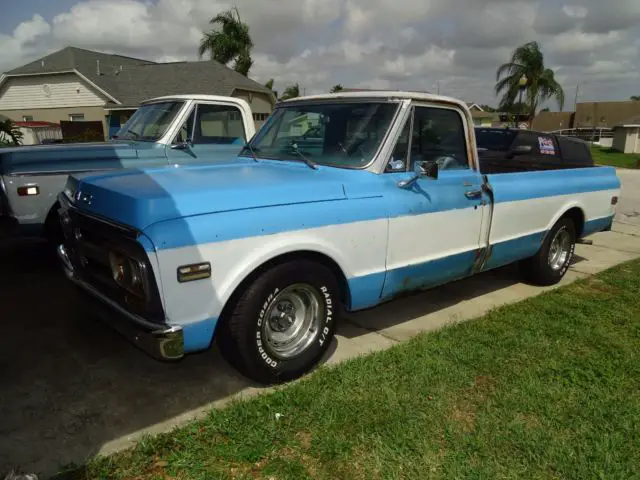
x=553, y=259
x=283, y=322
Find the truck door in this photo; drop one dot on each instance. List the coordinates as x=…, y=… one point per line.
x=435, y=224
x=213, y=132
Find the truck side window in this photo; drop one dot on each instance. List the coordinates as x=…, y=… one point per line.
x=575, y=153
x=438, y=135
x=218, y=124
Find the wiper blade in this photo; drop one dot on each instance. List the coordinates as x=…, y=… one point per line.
x=133, y=135
x=248, y=146
x=309, y=162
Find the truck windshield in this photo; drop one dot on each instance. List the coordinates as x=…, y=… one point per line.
x=340, y=134
x=150, y=122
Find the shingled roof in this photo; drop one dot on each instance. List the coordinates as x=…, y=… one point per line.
x=137, y=83
x=83, y=60
x=131, y=80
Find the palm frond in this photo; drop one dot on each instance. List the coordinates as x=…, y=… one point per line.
x=229, y=40
x=291, y=91
x=551, y=88
x=528, y=60
x=8, y=128
x=509, y=68
x=243, y=63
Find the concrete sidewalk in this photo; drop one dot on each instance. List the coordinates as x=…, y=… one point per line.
x=402, y=319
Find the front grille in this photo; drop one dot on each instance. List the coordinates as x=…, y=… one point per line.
x=88, y=242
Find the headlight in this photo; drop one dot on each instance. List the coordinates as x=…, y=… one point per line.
x=127, y=272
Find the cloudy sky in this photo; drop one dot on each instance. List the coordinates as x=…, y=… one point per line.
x=409, y=44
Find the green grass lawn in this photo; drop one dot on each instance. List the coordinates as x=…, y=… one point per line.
x=548, y=388
x=608, y=156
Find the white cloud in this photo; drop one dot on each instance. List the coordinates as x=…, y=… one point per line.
x=574, y=41
x=365, y=43
x=30, y=30
x=23, y=42
x=434, y=59
x=575, y=11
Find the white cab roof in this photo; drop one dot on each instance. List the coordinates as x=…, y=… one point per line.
x=197, y=97
x=399, y=94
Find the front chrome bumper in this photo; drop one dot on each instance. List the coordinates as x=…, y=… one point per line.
x=164, y=342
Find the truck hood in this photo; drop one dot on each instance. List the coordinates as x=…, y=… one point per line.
x=140, y=198
x=62, y=156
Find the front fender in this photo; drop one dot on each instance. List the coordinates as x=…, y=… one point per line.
x=358, y=248
x=31, y=211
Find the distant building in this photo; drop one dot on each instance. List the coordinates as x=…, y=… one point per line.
x=74, y=84
x=626, y=136
x=604, y=114
x=550, y=121
x=588, y=115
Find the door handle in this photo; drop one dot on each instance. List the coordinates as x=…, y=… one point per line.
x=473, y=194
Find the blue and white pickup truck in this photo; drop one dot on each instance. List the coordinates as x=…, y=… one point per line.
x=339, y=203
x=164, y=132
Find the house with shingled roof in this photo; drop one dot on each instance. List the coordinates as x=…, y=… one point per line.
x=74, y=84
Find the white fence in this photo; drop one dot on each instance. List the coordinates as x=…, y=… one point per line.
x=599, y=136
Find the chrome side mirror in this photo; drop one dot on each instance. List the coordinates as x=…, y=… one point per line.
x=422, y=169
x=181, y=145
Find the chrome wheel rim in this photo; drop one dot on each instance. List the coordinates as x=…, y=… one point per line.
x=560, y=249
x=292, y=320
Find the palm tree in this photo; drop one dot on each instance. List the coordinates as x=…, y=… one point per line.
x=291, y=91
x=336, y=88
x=232, y=42
x=8, y=129
x=541, y=84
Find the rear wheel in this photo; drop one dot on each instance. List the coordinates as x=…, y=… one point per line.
x=553, y=259
x=282, y=323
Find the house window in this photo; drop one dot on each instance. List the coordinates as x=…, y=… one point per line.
x=76, y=117
x=27, y=118
x=260, y=117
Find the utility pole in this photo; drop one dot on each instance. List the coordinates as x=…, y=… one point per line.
x=438, y=85
x=575, y=101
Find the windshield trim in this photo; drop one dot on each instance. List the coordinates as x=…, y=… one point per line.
x=155, y=139
x=284, y=106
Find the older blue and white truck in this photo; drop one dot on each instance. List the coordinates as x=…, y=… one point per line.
x=339, y=203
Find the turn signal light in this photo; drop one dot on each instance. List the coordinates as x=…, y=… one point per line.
x=195, y=271
x=28, y=190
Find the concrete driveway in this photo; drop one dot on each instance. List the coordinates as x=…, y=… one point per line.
x=71, y=387
x=629, y=207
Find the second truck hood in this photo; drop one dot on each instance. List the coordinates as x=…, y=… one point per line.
x=142, y=198
x=64, y=156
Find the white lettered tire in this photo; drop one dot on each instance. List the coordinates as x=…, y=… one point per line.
x=283, y=322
